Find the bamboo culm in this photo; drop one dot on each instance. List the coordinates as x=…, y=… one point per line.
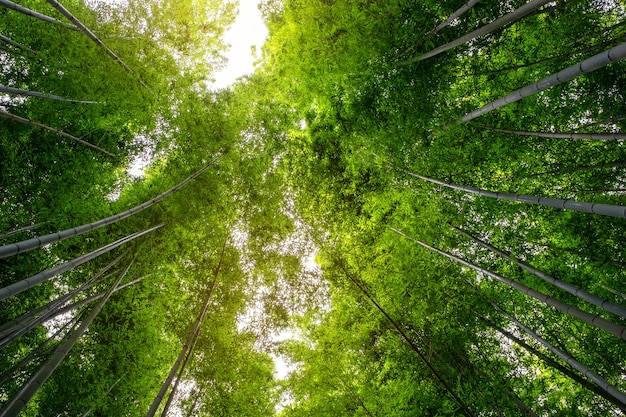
x=10, y=5
x=588, y=136
x=597, y=379
x=556, y=365
x=53, y=130
x=30, y=282
x=592, y=319
x=17, y=403
x=30, y=244
x=15, y=44
x=91, y=36
x=20, y=92
x=191, y=337
x=565, y=286
x=413, y=346
x=595, y=208
x=598, y=61
x=12, y=325
x=506, y=19
x=449, y=20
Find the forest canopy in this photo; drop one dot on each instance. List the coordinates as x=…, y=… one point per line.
x=418, y=207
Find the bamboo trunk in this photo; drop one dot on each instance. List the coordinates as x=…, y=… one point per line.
x=598, y=61
x=565, y=286
x=589, y=136
x=449, y=20
x=592, y=319
x=51, y=129
x=509, y=18
x=595, y=208
x=597, y=379
x=30, y=282
x=10, y=5
x=17, y=403
x=19, y=91
x=27, y=245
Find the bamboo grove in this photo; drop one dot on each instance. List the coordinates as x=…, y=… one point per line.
x=456, y=170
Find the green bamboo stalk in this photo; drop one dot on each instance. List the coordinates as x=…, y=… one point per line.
x=21, y=92
x=17, y=403
x=569, y=359
x=565, y=286
x=595, y=208
x=449, y=20
x=592, y=319
x=560, y=135
x=506, y=19
x=598, y=61
x=10, y=5
x=51, y=129
x=30, y=282
x=30, y=244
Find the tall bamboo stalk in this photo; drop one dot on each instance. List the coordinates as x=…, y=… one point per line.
x=449, y=20
x=560, y=135
x=51, y=129
x=598, y=61
x=569, y=359
x=10, y=5
x=595, y=208
x=592, y=319
x=15, y=44
x=191, y=337
x=565, y=286
x=30, y=244
x=17, y=403
x=508, y=18
x=30, y=282
x=21, y=92
x=92, y=36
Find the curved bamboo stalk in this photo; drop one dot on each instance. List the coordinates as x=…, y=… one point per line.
x=449, y=20
x=30, y=282
x=53, y=130
x=565, y=286
x=30, y=244
x=23, y=320
x=508, y=18
x=595, y=208
x=598, y=61
x=556, y=365
x=10, y=5
x=19, y=91
x=597, y=379
x=465, y=409
x=92, y=36
x=17, y=403
x=589, y=136
x=15, y=44
x=592, y=319
x=191, y=340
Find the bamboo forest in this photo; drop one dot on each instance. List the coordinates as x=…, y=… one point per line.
x=409, y=208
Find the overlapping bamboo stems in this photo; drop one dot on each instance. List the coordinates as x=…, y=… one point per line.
x=569, y=359
x=189, y=343
x=34, y=243
x=17, y=403
x=506, y=19
x=92, y=36
x=10, y=5
x=592, y=319
x=565, y=286
x=30, y=282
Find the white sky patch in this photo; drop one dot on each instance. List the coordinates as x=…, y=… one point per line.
x=247, y=32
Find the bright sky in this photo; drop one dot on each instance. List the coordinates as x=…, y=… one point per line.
x=247, y=31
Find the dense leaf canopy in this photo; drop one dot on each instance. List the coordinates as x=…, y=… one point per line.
x=351, y=146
